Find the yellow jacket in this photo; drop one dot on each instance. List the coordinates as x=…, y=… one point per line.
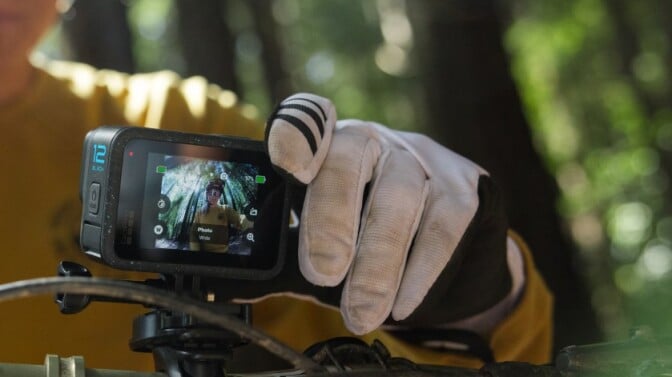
x=39, y=219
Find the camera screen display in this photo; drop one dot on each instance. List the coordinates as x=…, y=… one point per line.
x=185, y=203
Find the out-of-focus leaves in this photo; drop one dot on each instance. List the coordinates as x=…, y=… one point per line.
x=594, y=83
x=154, y=27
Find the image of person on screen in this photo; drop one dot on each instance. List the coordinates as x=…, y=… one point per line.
x=210, y=229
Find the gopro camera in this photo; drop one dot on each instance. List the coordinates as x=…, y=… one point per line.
x=178, y=203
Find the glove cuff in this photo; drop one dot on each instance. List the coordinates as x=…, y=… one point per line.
x=485, y=322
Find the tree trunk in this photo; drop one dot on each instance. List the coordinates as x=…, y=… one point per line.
x=98, y=34
x=472, y=107
x=277, y=78
x=207, y=42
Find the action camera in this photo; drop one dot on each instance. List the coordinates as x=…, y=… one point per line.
x=178, y=203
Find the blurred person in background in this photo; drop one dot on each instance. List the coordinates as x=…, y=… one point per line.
x=465, y=272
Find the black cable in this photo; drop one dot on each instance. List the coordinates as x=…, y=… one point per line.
x=156, y=297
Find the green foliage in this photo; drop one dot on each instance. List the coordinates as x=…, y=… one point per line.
x=596, y=93
x=153, y=25
x=334, y=49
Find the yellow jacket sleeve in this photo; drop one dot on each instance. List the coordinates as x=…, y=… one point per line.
x=527, y=333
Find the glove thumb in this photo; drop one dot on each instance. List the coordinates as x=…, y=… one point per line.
x=298, y=134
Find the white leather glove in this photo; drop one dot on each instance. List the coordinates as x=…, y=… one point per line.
x=389, y=212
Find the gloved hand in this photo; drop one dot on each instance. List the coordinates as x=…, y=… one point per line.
x=413, y=229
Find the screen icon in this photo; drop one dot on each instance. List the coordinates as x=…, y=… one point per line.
x=260, y=179
x=163, y=204
x=161, y=169
x=251, y=212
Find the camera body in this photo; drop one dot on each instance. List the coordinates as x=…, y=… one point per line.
x=179, y=203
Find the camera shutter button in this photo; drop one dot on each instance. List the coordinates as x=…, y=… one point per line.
x=94, y=198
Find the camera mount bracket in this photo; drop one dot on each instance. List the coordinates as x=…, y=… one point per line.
x=182, y=346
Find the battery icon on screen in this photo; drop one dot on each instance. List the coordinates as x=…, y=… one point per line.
x=260, y=179
x=161, y=169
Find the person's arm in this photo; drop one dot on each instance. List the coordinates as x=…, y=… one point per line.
x=245, y=223
x=417, y=236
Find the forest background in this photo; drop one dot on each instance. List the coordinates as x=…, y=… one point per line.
x=568, y=104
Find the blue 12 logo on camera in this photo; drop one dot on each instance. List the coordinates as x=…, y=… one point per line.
x=98, y=158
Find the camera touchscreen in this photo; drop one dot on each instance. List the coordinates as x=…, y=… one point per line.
x=186, y=203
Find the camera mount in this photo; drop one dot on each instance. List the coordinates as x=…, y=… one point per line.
x=181, y=344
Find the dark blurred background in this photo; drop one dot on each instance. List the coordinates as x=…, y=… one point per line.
x=568, y=104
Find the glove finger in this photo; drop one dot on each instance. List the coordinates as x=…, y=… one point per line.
x=393, y=211
x=450, y=208
x=298, y=135
x=331, y=211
